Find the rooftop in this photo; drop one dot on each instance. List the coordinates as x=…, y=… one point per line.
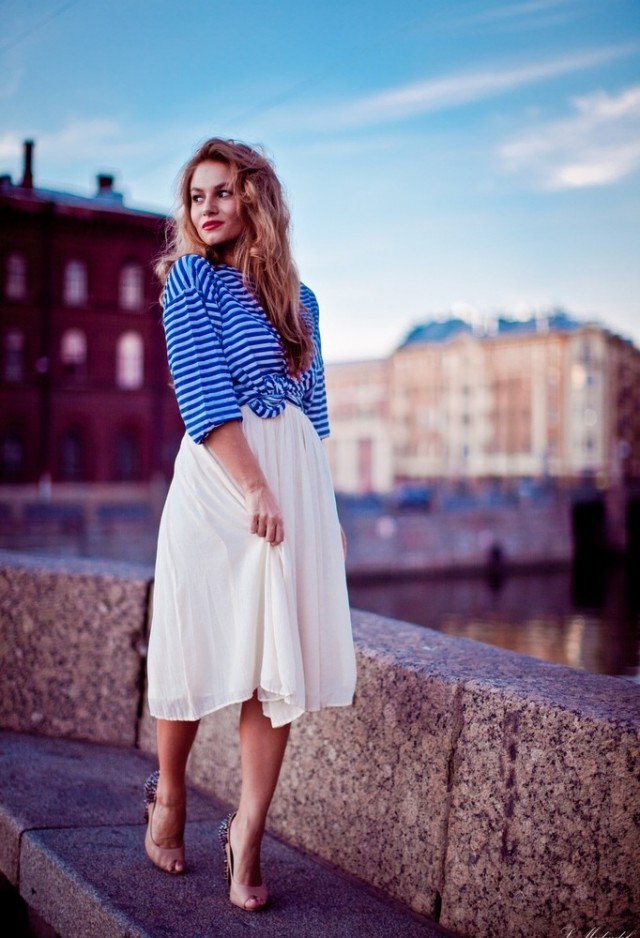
x=443, y=330
x=106, y=198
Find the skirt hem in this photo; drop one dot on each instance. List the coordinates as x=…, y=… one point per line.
x=331, y=702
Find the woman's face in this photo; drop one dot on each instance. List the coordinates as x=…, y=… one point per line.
x=214, y=207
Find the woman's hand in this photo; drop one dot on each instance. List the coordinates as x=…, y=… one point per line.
x=264, y=510
x=229, y=445
x=344, y=542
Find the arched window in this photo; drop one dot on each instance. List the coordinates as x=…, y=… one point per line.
x=13, y=355
x=75, y=283
x=130, y=361
x=15, y=276
x=12, y=457
x=131, y=291
x=72, y=455
x=128, y=456
x=73, y=351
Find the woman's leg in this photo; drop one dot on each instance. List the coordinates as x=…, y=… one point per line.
x=175, y=738
x=262, y=749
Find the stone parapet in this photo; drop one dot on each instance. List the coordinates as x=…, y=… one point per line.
x=71, y=656
x=491, y=791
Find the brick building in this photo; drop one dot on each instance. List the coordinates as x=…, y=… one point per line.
x=84, y=388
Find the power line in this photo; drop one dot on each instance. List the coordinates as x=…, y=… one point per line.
x=36, y=26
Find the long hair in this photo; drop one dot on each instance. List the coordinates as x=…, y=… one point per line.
x=262, y=252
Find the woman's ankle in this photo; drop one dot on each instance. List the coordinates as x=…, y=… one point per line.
x=250, y=826
x=172, y=795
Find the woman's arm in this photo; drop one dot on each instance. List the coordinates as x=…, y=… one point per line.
x=229, y=444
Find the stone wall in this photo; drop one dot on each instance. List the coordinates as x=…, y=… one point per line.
x=523, y=535
x=71, y=646
x=489, y=790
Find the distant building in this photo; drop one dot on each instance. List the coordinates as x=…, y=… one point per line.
x=546, y=396
x=360, y=447
x=84, y=394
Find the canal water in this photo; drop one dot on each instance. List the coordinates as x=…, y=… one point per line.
x=587, y=617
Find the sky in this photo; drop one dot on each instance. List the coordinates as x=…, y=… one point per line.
x=474, y=158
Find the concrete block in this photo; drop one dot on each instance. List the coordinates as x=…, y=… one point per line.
x=72, y=648
x=48, y=782
x=99, y=883
x=544, y=822
x=83, y=871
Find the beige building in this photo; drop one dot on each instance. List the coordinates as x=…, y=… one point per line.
x=526, y=398
x=360, y=447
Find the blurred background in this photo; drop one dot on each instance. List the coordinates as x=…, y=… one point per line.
x=463, y=180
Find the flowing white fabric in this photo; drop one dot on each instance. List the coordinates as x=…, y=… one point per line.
x=232, y=612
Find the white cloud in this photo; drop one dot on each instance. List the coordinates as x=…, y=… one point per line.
x=532, y=6
x=598, y=145
x=519, y=10
x=84, y=146
x=78, y=140
x=437, y=94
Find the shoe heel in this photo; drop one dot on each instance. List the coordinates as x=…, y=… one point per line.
x=150, y=788
x=223, y=834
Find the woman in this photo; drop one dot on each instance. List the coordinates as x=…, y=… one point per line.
x=250, y=600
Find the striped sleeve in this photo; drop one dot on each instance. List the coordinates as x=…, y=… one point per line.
x=315, y=398
x=201, y=378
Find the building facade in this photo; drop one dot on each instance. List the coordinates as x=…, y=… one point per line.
x=360, y=448
x=84, y=381
x=547, y=396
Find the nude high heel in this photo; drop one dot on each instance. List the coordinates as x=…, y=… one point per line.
x=165, y=858
x=239, y=893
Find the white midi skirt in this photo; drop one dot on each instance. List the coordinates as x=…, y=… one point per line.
x=232, y=612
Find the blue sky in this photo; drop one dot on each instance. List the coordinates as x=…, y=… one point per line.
x=475, y=157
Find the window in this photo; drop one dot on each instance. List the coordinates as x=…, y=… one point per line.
x=131, y=286
x=13, y=357
x=73, y=351
x=12, y=457
x=128, y=456
x=130, y=361
x=15, y=276
x=75, y=283
x=72, y=455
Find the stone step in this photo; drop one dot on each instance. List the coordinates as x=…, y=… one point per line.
x=71, y=845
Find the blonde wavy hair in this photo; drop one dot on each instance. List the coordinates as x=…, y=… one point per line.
x=262, y=252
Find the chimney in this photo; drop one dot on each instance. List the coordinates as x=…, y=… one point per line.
x=27, y=177
x=106, y=190
x=105, y=184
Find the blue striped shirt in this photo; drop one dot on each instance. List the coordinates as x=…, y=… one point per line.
x=224, y=351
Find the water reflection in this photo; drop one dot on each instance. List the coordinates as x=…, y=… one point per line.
x=587, y=618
